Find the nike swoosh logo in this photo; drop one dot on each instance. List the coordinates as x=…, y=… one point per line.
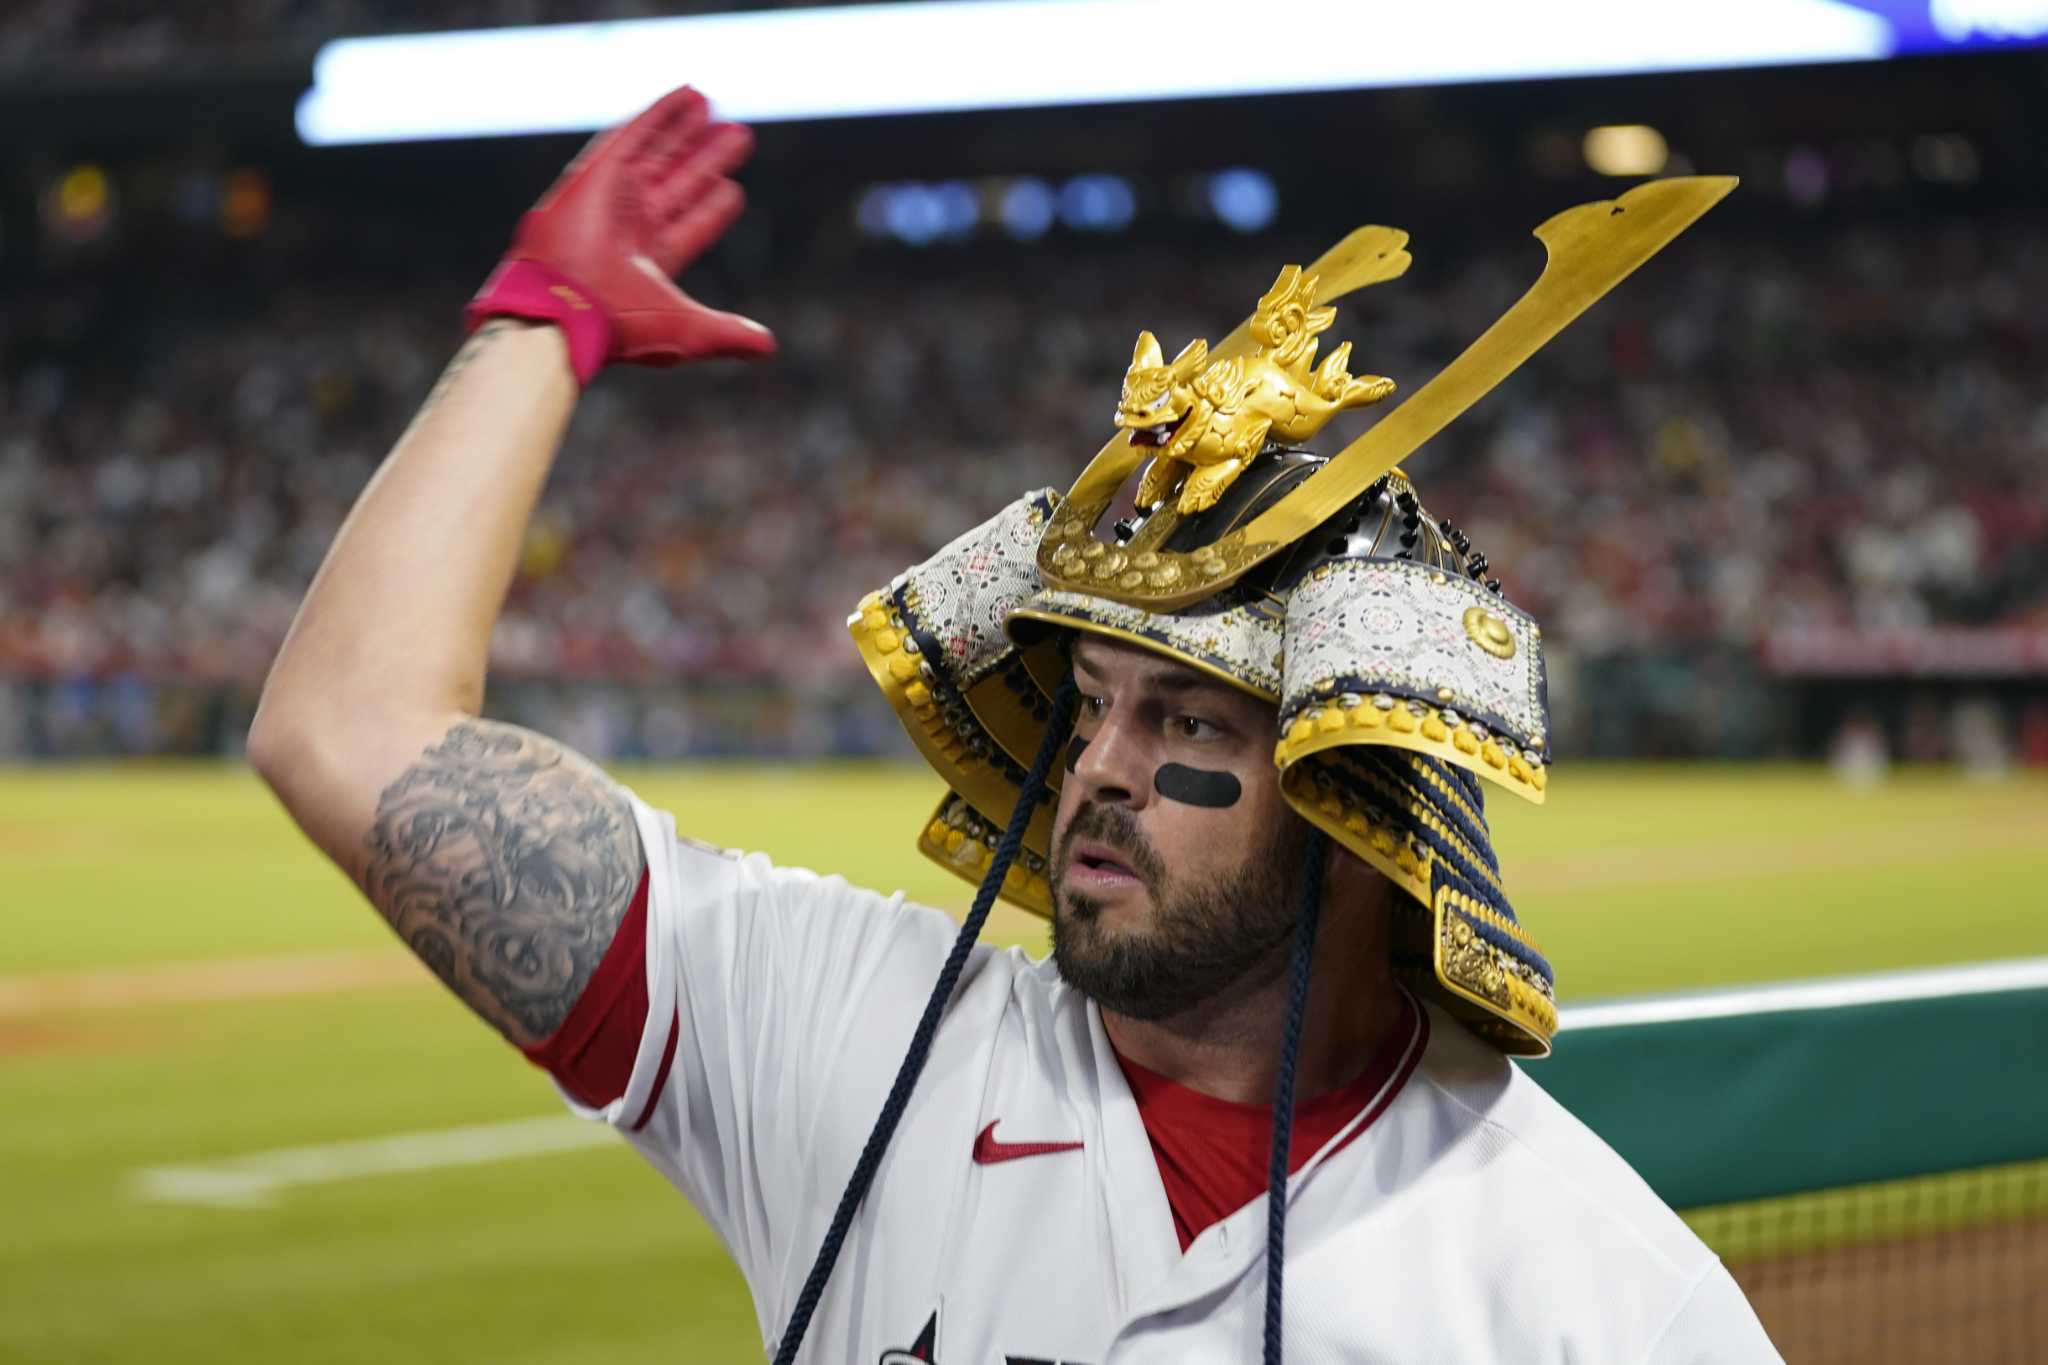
x=988, y=1151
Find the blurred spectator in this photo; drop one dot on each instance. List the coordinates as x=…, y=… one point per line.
x=1858, y=753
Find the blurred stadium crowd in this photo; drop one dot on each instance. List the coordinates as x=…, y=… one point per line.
x=1844, y=428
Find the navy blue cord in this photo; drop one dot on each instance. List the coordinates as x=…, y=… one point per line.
x=1283, y=1090
x=928, y=1026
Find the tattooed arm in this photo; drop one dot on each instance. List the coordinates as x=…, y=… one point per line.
x=502, y=859
x=505, y=862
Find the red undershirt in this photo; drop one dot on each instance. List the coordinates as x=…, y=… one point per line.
x=1211, y=1152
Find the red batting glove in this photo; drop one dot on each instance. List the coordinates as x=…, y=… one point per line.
x=596, y=254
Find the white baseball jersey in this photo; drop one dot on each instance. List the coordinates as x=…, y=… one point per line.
x=1471, y=1220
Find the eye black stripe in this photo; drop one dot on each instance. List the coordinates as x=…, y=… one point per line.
x=1197, y=786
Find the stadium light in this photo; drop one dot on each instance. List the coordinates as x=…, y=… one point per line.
x=245, y=204
x=1028, y=208
x=1097, y=203
x=1962, y=20
x=1243, y=198
x=949, y=55
x=80, y=205
x=1626, y=149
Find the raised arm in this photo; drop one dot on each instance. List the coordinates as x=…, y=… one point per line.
x=501, y=858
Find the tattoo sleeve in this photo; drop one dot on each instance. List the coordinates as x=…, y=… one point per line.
x=506, y=863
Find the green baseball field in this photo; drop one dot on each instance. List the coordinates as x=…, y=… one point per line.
x=238, y=1123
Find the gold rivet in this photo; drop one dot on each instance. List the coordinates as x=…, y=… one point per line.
x=1489, y=632
x=1131, y=579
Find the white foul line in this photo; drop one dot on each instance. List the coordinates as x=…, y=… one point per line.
x=253, y=1181
x=2018, y=974
x=183, y=983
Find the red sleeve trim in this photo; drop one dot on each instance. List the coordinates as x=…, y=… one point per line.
x=592, y=1053
x=668, y=1057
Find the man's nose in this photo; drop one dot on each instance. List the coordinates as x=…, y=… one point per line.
x=1111, y=764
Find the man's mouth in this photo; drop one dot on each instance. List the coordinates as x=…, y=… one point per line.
x=1097, y=867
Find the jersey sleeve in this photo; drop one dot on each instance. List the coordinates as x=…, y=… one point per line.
x=1714, y=1326
x=591, y=1055
x=777, y=1006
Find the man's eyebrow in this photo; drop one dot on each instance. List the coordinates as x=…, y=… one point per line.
x=1172, y=679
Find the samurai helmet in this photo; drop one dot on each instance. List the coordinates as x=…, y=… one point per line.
x=1405, y=684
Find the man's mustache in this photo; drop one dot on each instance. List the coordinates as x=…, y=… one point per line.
x=1116, y=828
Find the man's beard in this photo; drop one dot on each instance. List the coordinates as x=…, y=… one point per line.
x=1205, y=937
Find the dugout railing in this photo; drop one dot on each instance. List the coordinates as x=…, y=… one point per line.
x=1869, y=1154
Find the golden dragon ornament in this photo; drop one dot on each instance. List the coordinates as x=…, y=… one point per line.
x=1210, y=420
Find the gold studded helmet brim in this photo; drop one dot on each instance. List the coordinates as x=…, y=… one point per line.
x=1383, y=607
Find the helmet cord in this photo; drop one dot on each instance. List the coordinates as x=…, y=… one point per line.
x=1283, y=1091
x=1028, y=795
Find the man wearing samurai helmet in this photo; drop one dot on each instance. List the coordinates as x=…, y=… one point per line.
x=1266, y=860
x=1226, y=711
